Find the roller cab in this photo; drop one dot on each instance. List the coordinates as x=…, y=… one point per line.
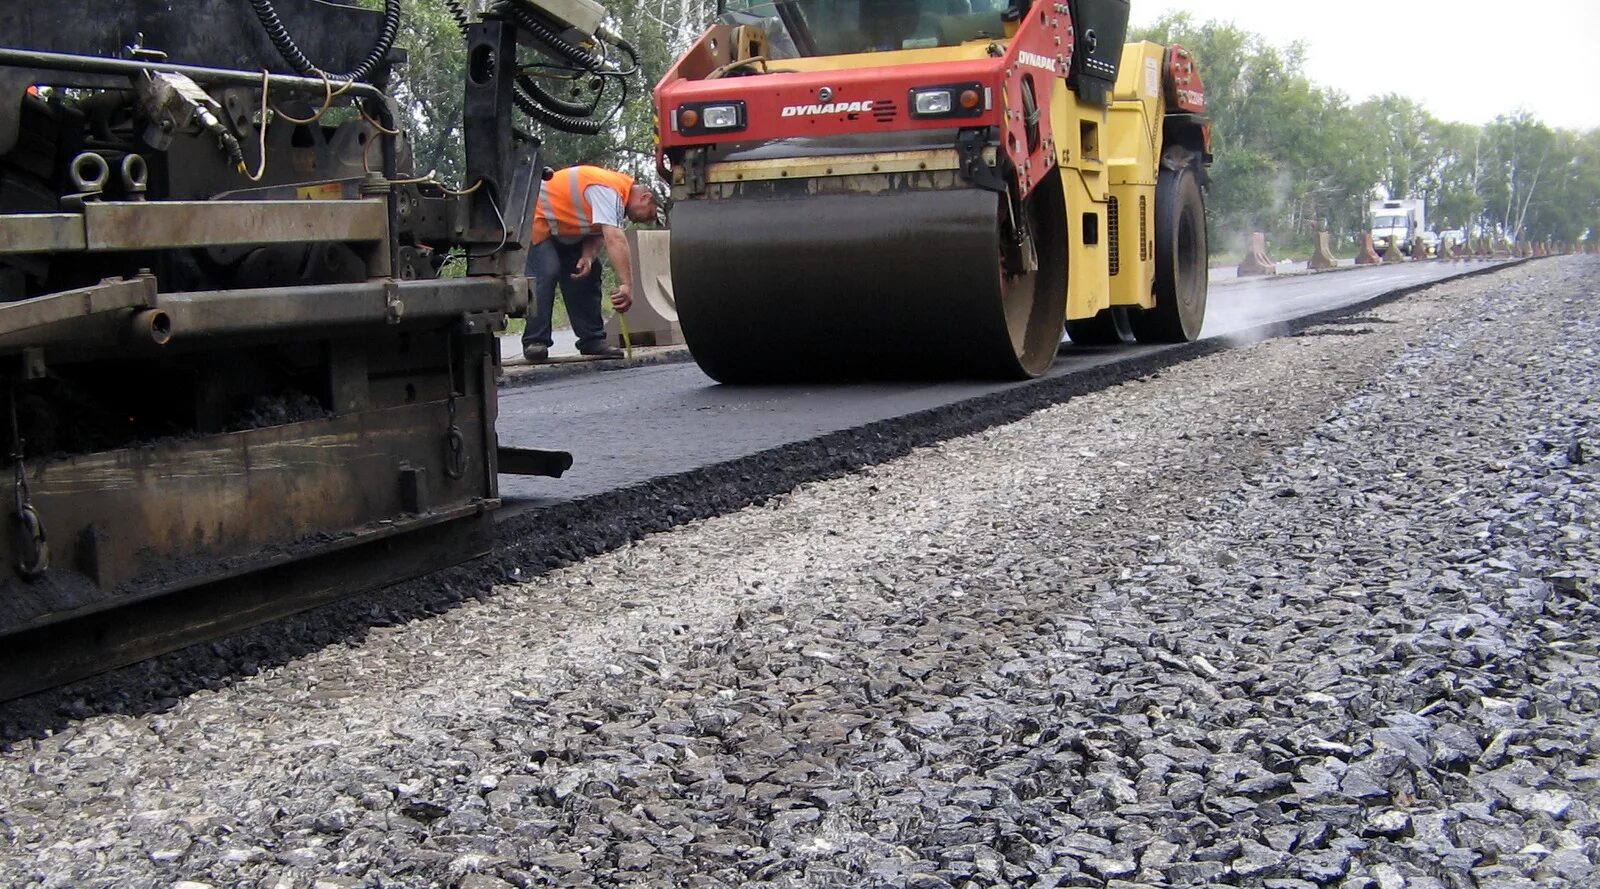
x=900, y=188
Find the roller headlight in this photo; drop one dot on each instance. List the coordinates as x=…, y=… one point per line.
x=702, y=118
x=931, y=102
x=949, y=100
x=720, y=117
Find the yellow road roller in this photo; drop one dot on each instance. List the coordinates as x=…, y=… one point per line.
x=869, y=189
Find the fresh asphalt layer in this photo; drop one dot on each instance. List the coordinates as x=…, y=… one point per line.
x=632, y=426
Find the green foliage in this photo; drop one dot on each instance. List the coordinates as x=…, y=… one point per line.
x=1291, y=155
x=430, y=92
x=428, y=87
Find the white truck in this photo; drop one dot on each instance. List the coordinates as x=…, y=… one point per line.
x=1400, y=218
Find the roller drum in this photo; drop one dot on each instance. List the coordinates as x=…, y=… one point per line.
x=839, y=286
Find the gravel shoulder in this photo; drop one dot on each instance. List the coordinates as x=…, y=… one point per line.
x=1314, y=612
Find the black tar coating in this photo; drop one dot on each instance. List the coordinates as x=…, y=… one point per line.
x=533, y=543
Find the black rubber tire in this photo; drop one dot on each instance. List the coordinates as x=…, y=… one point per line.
x=1181, y=273
x=1109, y=328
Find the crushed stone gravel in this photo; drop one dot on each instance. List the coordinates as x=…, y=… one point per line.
x=1315, y=612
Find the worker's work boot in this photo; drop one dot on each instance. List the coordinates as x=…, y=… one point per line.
x=535, y=353
x=602, y=352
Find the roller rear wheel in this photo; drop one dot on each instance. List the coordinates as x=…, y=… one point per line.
x=1181, y=273
x=1109, y=328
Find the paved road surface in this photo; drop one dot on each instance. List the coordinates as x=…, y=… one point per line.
x=628, y=427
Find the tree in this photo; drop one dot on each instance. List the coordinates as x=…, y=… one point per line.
x=1291, y=155
x=429, y=87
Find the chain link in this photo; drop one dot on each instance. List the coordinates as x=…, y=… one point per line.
x=33, y=550
x=455, y=443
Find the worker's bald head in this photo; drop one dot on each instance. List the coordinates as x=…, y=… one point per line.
x=641, y=205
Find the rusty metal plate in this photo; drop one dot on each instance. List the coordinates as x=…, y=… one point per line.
x=255, y=310
x=107, y=296
x=156, y=225
x=41, y=232
x=156, y=514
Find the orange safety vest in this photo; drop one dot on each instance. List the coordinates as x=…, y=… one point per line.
x=562, y=201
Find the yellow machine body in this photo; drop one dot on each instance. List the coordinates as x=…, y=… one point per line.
x=1086, y=259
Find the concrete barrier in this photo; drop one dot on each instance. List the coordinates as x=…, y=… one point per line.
x=1323, y=258
x=1538, y=249
x=1419, y=249
x=1366, y=255
x=1256, y=261
x=1391, y=251
x=1501, y=248
x=653, y=320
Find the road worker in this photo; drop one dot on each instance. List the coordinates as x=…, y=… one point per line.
x=581, y=211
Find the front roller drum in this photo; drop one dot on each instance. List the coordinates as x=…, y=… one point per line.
x=866, y=286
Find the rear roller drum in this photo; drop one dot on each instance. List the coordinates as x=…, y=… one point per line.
x=1181, y=275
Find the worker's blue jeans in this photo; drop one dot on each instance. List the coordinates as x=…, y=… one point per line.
x=551, y=262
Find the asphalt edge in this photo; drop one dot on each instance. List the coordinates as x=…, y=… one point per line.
x=523, y=374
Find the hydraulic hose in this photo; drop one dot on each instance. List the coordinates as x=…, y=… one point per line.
x=267, y=14
x=530, y=88
x=565, y=122
x=633, y=54
x=527, y=21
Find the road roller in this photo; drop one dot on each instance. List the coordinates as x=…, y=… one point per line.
x=869, y=189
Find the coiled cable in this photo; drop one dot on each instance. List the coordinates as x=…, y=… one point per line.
x=544, y=106
x=568, y=123
x=458, y=11
x=520, y=13
x=267, y=14
x=531, y=88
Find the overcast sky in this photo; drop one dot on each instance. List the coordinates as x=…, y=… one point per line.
x=1464, y=60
